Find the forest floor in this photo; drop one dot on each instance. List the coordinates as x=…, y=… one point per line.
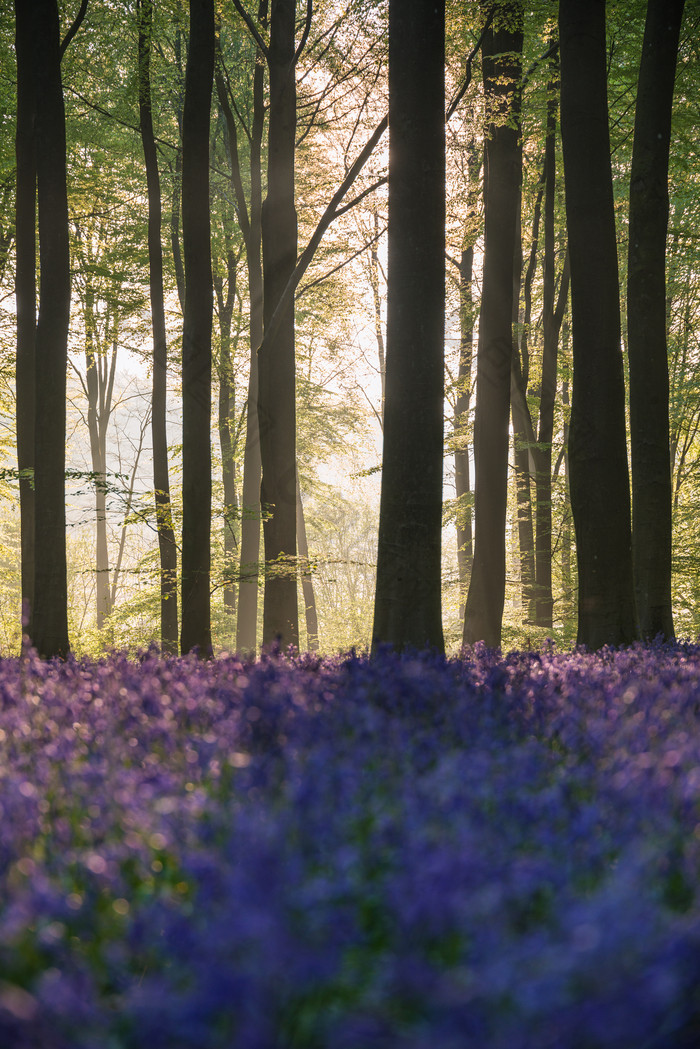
x=409, y=852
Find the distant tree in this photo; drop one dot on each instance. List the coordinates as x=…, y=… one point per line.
x=647, y=321
x=161, y=480
x=197, y=333
x=407, y=607
x=501, y=64
x=598, y=468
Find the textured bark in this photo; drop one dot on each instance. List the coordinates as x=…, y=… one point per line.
x=197, y=330
x=167, y=549
x=502, y=48
x=599, y=475
x=407, y=609
x=49, y=616
x=276, y=364
x=646, y=320
x=25, y=287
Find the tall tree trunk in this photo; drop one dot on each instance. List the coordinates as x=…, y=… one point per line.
x=465, y=545
x=276, y=364
x=251, y=226
x=25, y=287
x=599, y=475
x=307, y=583
x=197, y=331
x=167, y=548
x=49, y=617
x=226, y=415
x=552, y=316
x=502, y=48
x=646, y=320
x=407, y=610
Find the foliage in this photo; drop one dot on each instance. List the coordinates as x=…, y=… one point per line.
x=409, y=851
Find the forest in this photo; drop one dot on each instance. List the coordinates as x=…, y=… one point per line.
x=349, y=601
x=249, y=394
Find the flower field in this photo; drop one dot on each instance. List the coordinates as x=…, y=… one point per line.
x=405, y=853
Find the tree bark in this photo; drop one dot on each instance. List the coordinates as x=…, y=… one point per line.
x=167, y=548
x=599, y=475
x=276, y=363
x=225, y=425
x=407, y=609
x=25, y=288
x=465, y=543
x=646, y=320
x=49, y=616
x=197, y=331
x=502, y=48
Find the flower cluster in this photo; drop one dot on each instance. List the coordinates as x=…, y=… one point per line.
x=403, y=852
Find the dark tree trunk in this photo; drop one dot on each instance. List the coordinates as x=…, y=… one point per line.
x=599, y=475
x=25, y=287
x=161, y=479
x=49, y=618
x=197, y=330
x=276, y=364
x=251, y=227
x=646, y=320
x=502, y=48
x=407, y=609
x=307, y=583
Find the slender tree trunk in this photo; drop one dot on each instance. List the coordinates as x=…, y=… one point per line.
x=646, y=320
x=276, y=364
x=25, y=287
x=49, y=619
x=226, y=415
x=407, y=609
x=502, y=48
x=599, y=475
x=465, y=545
x=307, y=583
x=167, y=548
x=197, y=331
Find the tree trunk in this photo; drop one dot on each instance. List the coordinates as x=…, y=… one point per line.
x=49, y=618
x=197, y=331
x=25, y=288
x=502, y=48
x=161, y=479
x=276, y=364
x=226, y=415
x=407, y=609
x=465, y=547
x=307, y=583
x=599, y=475
x=646, y=320
x=251, y=226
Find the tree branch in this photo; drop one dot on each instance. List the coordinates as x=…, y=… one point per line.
x=73, y=29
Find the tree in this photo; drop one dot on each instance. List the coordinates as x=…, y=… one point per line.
x=48, y=615
x=161, y=479
x=197, y=332
x=407, y=609
x=646, y=320
x=25, y=286
x=276, y=368
x=598, y=469
x=502, y=47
